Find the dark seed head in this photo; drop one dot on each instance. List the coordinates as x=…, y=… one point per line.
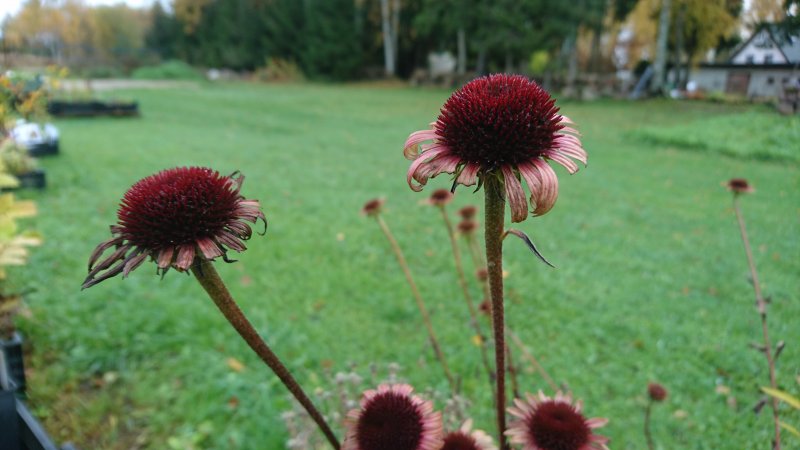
x=739, y=186
x=468, y=212
x=440, y=197
x=558, y=426
x=499, y=119
x=656, y=392
x=373, y=207
x=458, y=440
x=390, y=421
x=177, y=206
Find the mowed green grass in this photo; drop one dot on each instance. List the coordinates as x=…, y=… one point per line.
x=651, y=281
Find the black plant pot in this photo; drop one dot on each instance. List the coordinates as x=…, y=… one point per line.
x=34, y=179
x=15, y=365
x=19, y=430
x=62, y=108
x=44, y=149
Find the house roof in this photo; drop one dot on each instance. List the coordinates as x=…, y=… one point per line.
x=788, y=44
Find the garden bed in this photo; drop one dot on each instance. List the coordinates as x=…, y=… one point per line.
x=92, y=108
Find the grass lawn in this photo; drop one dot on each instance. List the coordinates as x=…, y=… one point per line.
x=651, y=282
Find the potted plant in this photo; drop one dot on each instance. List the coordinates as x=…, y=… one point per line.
x=13, y=252
x=18, y=162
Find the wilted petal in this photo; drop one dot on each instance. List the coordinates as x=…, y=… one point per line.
x=515, y=195
x=563, y=160
x=185, y=256
x=469, y=174
x=165, y=257
x=132, y=262
x=411, y=147
x=423, y=159
x=547, y=194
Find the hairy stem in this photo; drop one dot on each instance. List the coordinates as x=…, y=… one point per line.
x=761, y=305
x=462, y=281
x=647, y=433
x=209, y=278
x=401, y=259
x=495, y=214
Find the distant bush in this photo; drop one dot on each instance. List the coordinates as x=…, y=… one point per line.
x=168, y=70
x=278, y=69
x=754, y=134
x=102, y=72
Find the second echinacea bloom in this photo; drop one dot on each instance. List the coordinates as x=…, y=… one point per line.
x=503, y=126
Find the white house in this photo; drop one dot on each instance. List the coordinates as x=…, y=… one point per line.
x=763, y=66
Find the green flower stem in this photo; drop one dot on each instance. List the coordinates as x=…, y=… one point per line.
x=208, y=277
x=462, y=281
x=495, y=215
x=426, y=318
x=761, y=305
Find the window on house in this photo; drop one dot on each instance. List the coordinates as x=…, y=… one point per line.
x=770, y=81
x=750, y=59
x=767, y=59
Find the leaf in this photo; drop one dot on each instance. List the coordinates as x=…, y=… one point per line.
x=789, y=428
x=477, y=340
x=529, y=243
x=794, y=402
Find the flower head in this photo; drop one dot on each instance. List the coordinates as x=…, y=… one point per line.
x=173, y=217
x=467, y=226
x=503, y=126
x=440, y=197
x=373, y=207
x=739, y=186
x=468, y=212
x=467, y=439
x=656, y=392
x=545, y=423
x=390, y=418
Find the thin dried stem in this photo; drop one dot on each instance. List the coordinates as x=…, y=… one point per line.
x=529, y=356
x=761, y=305
x=462, y=281
x=647, y=433
x=495, y=215
x=208, y=277
x=401, y=259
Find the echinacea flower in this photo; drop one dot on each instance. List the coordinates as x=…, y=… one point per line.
x=503, y=126
x=468, y=212
x=467, y=226
x=545, y=423
x=174, y=217
x=390, y=418
x=656, y=392
x=467, y=439
x=440, y=197
x=373, y=207
x=739, y=186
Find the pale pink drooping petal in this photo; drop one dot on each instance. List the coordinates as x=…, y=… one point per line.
x=468, y=175
x=515, y=195
x=558, y=157
x=411, y=148
x=420, y=161
x=548, y=192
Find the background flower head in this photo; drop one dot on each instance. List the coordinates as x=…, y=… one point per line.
x=391, y=418
x=503, y=126
x=173, y=217
x=545, y=423
x=466, y=438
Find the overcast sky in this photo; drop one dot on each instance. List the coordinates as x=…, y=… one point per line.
x=12, y=6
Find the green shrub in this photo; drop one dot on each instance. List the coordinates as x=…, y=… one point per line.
x=168, y=70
